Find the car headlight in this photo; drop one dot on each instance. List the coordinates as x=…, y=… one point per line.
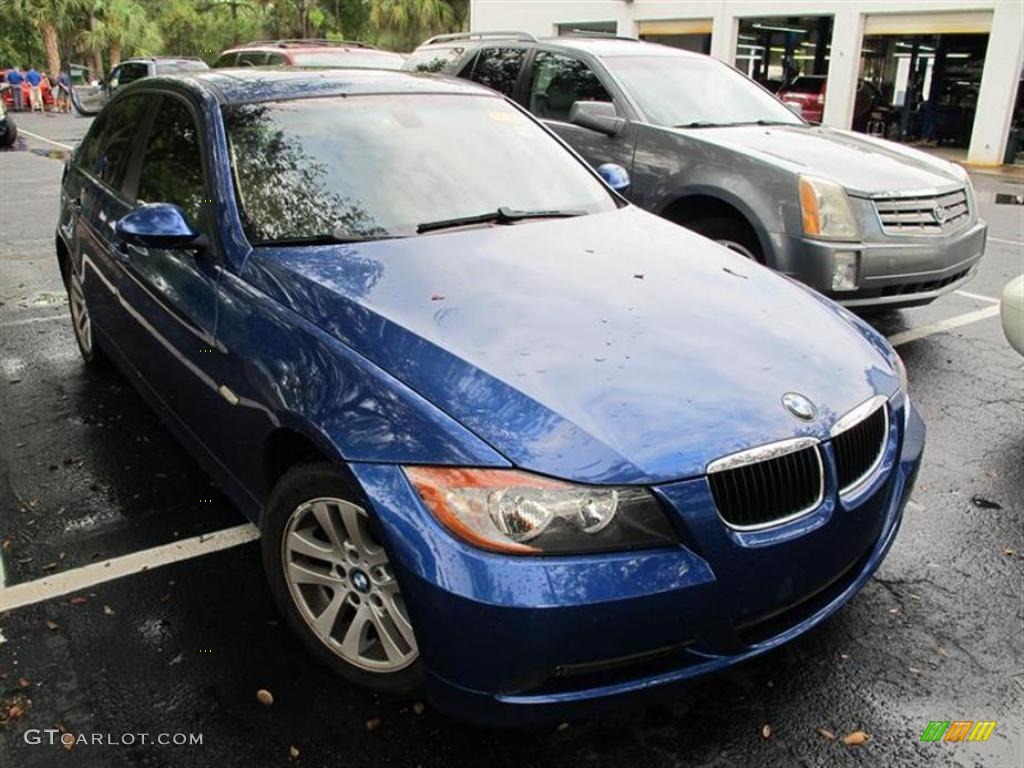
x=826, y=211
x=519, y=513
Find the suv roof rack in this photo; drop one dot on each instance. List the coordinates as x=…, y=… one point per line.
x=514, y=35
x=310, y=41
x=597, y=33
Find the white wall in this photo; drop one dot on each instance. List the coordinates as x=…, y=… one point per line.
x=998, y=84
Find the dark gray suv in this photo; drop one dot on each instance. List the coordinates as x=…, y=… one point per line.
x=868, y=222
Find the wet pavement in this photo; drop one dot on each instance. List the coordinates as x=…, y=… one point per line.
x=88, y=473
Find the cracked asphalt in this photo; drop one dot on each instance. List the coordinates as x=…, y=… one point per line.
x=88, y=473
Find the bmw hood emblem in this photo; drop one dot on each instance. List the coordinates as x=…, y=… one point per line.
x=799, y=406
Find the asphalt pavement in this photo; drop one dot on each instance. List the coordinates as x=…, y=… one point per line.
x=89, y=476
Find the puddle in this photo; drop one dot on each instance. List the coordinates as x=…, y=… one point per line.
x=1003, y=198
x=53, y=154
x=21, y=145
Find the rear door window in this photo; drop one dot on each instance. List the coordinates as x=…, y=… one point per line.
x=132, y=71
x=276, y=59
x=498, y=68
x=107, y=150
x=558, y=82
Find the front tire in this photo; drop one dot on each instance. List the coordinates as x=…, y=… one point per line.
x=334, y=582
x=734, y=234
x=81, y=322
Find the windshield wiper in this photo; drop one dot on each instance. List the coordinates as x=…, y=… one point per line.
x=504, y=215
x=708, y=124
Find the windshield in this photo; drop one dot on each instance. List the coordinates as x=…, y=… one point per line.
x=361, y=58
x=697, y=91
x=382, y=165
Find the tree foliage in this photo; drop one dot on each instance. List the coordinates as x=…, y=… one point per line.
x=101, y=32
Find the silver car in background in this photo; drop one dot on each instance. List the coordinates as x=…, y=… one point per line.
x=868, y=222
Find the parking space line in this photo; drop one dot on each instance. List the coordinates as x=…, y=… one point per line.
x=977, y=296
x=43, y=138
x=1004, y=241
x=943, y=325
x=77, y=579
x=32, y=320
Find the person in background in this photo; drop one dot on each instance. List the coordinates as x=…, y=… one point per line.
x=35, y=93
x=15, y=79
x=63, y=92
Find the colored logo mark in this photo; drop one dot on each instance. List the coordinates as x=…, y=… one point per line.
x=958, y=730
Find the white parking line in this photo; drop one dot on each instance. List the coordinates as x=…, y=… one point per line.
x=943, y=325
x=1005, y=242
x=33, y=320
x=87, y=576
x=43, y=138
x=977, y=296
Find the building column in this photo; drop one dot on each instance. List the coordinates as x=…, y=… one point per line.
x=725, y=29
x=998, y=93
x=843, y=68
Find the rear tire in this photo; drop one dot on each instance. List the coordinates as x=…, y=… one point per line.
x=334, y=583
x=735, y=234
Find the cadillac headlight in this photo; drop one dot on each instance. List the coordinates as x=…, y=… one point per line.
x=519, y=513
x=826, y=210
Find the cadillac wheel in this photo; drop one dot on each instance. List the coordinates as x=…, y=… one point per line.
x=332, y=578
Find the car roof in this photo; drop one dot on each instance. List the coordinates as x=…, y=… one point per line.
x=162, y=59
x=270, y=48
x=233, y=85
x=615, y=46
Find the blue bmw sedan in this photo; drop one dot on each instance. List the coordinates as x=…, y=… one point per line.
x=507, y=438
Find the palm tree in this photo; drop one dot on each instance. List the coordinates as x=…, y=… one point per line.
x=117, y=26
x=413, y=20
x=49, y=16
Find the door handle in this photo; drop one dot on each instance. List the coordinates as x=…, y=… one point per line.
x=121, y=252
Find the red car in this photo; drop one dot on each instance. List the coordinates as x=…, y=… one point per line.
x=309, y=53
x=8, y=97
x=807, y=92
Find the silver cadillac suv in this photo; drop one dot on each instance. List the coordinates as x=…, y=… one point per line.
x=867, y=222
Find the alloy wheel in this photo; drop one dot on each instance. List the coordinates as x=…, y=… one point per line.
x=80, y=313
x=739, y=248
x=344, y=587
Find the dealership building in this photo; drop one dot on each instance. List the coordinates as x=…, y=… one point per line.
x=935, y=72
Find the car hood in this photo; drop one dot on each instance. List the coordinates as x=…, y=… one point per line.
x=608, y=348
x=864, y=165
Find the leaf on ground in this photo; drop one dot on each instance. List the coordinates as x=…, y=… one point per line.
x=24, y=682
x=418, y=708
x=373, y=723
x=766, y=731
x=79, y=600
x=264, y=697
x=827, y=734
x=293, y=752
x=51, y=624
x=855, y=738
x=108, y=610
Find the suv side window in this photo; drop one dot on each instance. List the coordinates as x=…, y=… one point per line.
x=498, y=68
x=107, y=150
x=226, y=60
x=559, y=82
x=172, y=166
x=251, y=58
x=276, y=60
x=132, y=71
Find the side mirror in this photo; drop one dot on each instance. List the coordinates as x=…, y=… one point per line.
x=157, y=225
x=615, y=176
x=597, y=116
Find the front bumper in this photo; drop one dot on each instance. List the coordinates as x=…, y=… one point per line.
x=512, y=641
x=892, y=271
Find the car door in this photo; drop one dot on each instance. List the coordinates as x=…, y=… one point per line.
x=556, y=82
x=96, y=194
x=173, y=291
